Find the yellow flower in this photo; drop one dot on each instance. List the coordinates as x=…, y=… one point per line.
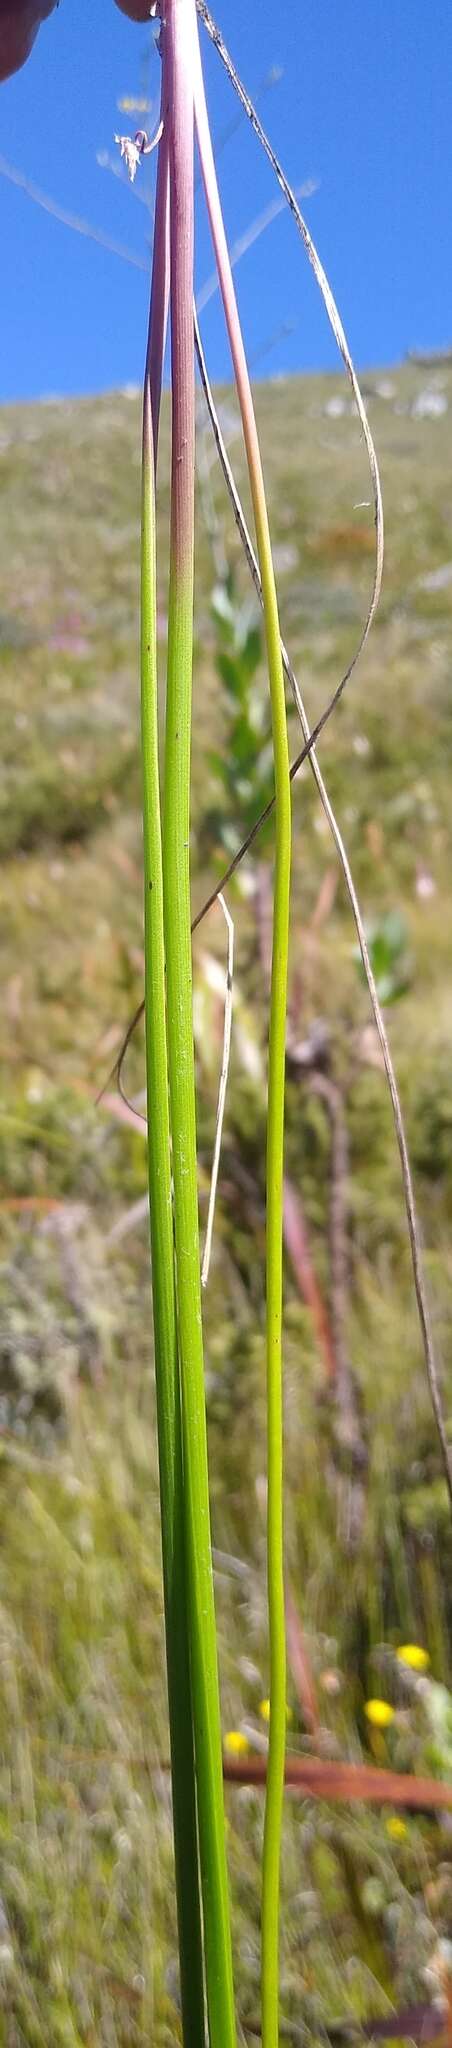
x=264, y=1710
x=379, y=1713
x=396, y=1827
x=235, y=1744
x=413, y=1654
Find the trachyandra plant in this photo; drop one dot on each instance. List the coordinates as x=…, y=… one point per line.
x=190, y=1619
x=190, y=1625
x=420, y=1715
x=196, y=1752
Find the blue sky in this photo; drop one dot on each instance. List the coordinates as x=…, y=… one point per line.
x=362, y=108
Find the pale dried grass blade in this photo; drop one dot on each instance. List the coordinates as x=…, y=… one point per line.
x=221, y=1091
x=329, y=302
x=410, y=1206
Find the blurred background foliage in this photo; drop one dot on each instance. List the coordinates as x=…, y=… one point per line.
x=87, y=1936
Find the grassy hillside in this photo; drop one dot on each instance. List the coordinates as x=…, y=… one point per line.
x=87, y=1932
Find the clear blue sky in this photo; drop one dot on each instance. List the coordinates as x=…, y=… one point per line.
x=363, y=107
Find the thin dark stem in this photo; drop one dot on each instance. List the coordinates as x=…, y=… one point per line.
x=325, y=289
x=247, y=545
x=308, y=751
x=410, y=1206
x=305, y=751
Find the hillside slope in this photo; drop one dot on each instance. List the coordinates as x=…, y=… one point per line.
x=87, y=1941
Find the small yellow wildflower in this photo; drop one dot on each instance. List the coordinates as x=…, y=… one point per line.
x=379, y=1713
x=413, y=1654
x=396, y=1827
x=235, y=1744
x=264, y=1710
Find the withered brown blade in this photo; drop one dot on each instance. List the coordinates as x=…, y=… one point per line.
x=314, y=1777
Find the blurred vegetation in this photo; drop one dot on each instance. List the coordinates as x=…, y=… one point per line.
x=87, y=1933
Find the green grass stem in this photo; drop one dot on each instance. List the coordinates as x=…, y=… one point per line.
x=274, y=1211
x=164, y=1299
x=275, y=1111
x=177, y=916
